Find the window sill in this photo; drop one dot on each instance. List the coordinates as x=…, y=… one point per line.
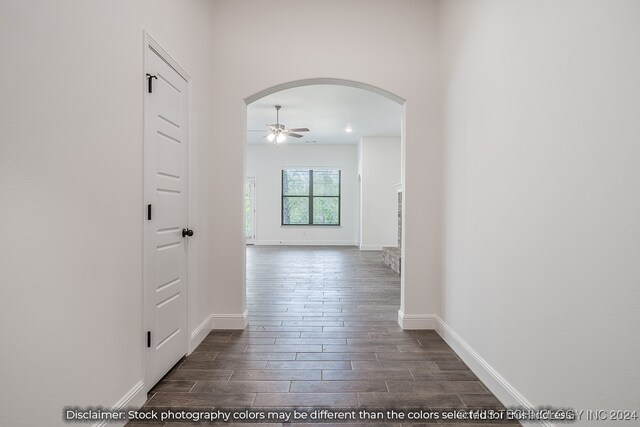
x=310, y=225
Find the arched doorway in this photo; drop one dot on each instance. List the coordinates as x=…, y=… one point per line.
x=378, y=92
x=323, y=81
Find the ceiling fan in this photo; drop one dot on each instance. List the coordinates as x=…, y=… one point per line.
x=278, y=132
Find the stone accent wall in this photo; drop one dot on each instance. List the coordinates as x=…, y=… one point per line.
x=399, y=219
x=391, y=255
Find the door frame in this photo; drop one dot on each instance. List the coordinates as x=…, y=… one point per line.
x=150, y=43
x=253, y=205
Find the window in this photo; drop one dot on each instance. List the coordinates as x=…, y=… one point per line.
x=310, y=197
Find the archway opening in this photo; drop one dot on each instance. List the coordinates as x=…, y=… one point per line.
x=360, y=149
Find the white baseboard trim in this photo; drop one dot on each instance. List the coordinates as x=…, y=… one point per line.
x=305, y=243
x=230, y=321
x=133, y=399
x=496, y=383
x=416, y=321
x=199, y=333
x=370, y=248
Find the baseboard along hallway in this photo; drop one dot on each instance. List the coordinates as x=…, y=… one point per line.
x=322, y=333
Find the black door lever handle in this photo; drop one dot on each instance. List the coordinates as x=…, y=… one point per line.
x=187, y=232
x=149, y=77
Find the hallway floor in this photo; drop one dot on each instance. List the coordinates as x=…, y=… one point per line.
x=322, y=332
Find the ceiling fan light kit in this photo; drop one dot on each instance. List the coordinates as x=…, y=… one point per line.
x=278, y=132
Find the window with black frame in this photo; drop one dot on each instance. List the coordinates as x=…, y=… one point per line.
x=310, y=197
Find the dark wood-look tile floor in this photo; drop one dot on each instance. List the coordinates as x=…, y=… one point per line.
x=322, y=332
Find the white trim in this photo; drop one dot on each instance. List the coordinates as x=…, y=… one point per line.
x=200, y=333
x=149, y=41
x=133, y=399
x=371, y=247
x=305, y=243
x=324, y=81
x=496, y=383
x=416, y=321
x=230, y=321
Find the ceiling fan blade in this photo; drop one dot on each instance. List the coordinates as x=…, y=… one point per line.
x=298, y=130
x=295, y=135
x=256, y=130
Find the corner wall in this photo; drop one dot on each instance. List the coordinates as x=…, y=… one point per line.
x=542, y=211
x=332, y=44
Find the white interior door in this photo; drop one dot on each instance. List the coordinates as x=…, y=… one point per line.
x=250, y=210
x=165, y=251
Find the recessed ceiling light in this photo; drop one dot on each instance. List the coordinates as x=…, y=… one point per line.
x=348, y=130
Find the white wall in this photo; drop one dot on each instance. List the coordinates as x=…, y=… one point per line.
x=379, y=165
x=542, y=197
x=542, y=207
x=71, y=167
x=335, y=39
x=265, y=163
x=71, y=197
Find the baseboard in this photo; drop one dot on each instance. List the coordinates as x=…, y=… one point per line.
x=305, y=243
x=133, y=399
x=496, y=383
x=200, y=333
x=370, y=248
x=230, y=321
x=416, y=321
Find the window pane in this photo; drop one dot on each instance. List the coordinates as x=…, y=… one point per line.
x=295, y=182
x=326, y=183
x=295, y=210
x=325, y=210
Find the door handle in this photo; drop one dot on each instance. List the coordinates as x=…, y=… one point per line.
x=149, y=77
x=187, y=232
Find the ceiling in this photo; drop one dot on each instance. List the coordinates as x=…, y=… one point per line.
x=327, y=110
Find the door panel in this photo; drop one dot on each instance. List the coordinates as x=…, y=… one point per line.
x=168, y=264
x=165, y=250
x=169, y=160
x=168, y=129
x=167, y=212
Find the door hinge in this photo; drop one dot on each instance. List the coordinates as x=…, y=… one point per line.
x=149, y=78
x=149, y=212
x=148, y=339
